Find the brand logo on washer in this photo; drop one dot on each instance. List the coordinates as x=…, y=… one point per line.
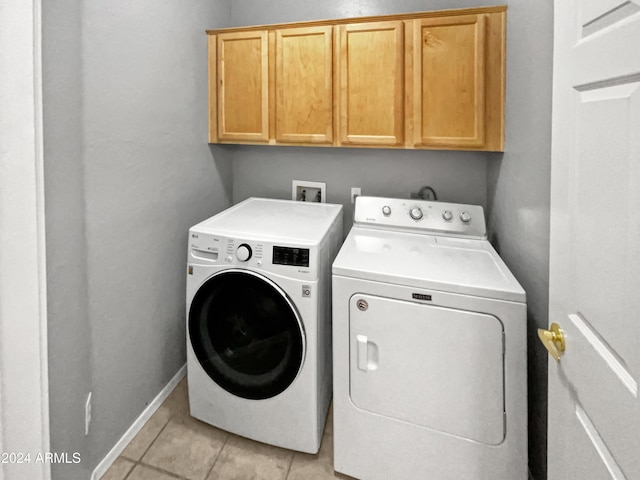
x=306, y=290
x=362, y=305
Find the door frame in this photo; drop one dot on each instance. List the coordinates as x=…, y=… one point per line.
x=24, y=399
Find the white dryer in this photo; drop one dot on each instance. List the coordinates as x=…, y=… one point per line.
x=429, y=347
x=258, y=320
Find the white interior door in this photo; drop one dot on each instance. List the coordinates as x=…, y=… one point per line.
x=594, y=413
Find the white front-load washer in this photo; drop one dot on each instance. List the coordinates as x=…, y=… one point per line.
x=429, y=347
x=258, y=320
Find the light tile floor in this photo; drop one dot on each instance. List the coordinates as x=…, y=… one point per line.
x=173, y=445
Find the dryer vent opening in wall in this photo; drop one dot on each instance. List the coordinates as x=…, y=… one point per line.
x=305, y=191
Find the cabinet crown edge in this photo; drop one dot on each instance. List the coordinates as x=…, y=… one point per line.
x=375, y=18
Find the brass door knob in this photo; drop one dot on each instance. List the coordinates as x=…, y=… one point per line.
x=553, y=340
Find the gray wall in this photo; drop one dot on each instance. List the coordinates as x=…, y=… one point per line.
x=514, y=186
x=268, y=172
x=518, y=191
x=69, y=333
x=128, y=170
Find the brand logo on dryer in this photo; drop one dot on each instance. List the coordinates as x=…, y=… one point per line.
x=421, y=296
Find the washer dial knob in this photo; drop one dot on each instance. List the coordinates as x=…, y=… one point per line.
x=415, y=213
x=386, y=210
x=447, y=215
x=243, y=252
x=465, y=217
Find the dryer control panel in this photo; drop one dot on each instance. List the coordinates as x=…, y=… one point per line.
x=421, y=216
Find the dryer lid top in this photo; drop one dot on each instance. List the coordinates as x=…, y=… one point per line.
x=457, y=265
x=277, y=220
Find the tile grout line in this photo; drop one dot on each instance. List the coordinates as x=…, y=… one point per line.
x=293, y=456
x=217, y=456
x=158, y=469
x=135, y=464
x=154, y=440
x=139, y=461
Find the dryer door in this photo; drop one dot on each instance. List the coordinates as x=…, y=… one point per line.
x=431, y=366
x=246, y=334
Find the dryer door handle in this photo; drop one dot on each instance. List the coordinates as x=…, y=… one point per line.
x=362, y=352
x=367, y=354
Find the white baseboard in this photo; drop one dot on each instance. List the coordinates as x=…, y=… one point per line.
x=133, y=430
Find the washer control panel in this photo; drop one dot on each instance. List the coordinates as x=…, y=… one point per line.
x=243, y=252
x=421, y=215
x=296, y=257
x=295, y=261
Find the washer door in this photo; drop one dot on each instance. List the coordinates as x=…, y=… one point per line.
x=246, y=334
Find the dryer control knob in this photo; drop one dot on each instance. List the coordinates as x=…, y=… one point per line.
x=415, y=213
x=465, y=217
x=386, y=210
x=447, y=215
x=243, y=252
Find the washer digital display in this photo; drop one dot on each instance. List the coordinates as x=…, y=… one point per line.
x=296, y=257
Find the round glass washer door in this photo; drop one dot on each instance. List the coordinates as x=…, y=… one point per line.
x=247, y=334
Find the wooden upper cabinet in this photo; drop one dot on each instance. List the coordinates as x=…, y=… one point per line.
x=243, y=86
x=371, y=83
x=304, y=85
x=427, y=80
x=449, y=81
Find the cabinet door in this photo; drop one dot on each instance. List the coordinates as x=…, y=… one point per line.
x=243, y=86
x=213, y=88
x=304, y=85
x=371, y=83
x=449, y=81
